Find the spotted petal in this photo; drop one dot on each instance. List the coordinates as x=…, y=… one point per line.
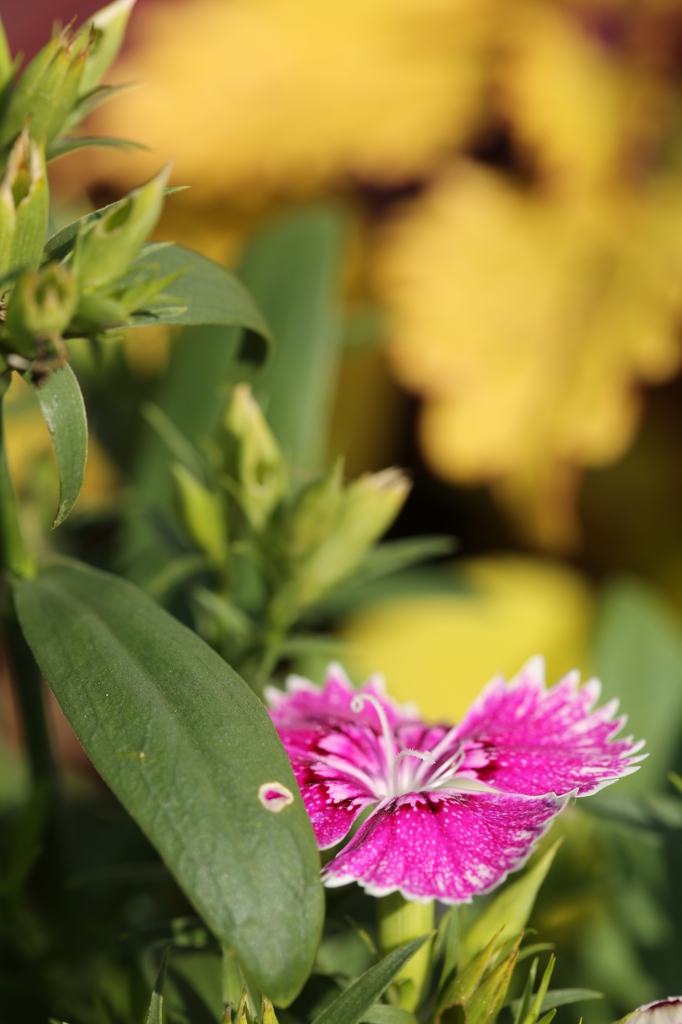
x=445, y=845
x=521, y=737
x=305, y=705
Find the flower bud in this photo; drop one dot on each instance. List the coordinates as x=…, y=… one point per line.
x=27, y=92
x=487, y=1001
x=260, y=469
x=366, y=510
x=106, y=247
x=203, y=514
x=42, y=304
x=6, y=62
x=57, y=92
x=98, y=313
x=24, y=201
x=312, y=514
x=105, y=31
x=369, y=506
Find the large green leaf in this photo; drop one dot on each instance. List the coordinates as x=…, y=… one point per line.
x=292, y=270
x=638, y=656
x=185, y=745
x=63, y=408
x=352, y=1004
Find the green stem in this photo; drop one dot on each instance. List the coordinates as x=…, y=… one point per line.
x=399, y=921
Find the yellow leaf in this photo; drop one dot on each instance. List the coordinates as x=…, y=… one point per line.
x=526, y=323
x=266, y=96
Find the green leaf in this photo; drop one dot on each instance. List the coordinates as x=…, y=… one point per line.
x=353, y=1003
x=381, y=1013
x=657, y=814
x=155, y=1015
x=510, y=910
x=63, y=409
x=175, y=573
x=536, y=1006
x=205, y=293
x=175, y=442
x=231, y=619
x=398, y=555
x=292, y=269
x=185, y=745
x=69, y=143
x=638, y=656
x=561, y=997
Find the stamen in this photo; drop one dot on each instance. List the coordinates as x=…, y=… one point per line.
x=357, y=704
x=423, y=755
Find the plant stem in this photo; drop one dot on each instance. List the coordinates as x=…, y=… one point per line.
x=399, y=921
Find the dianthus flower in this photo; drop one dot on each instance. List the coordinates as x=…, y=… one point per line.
x=455, y=807
x=663, y=1011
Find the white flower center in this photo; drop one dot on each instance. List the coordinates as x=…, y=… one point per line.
x=397, y=781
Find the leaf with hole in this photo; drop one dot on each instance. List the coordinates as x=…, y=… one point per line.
x=186, y=747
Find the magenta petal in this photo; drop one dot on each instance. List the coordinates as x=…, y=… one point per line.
x=332, y=806
x=523, y=738
x=305, y=705
x=443, y=845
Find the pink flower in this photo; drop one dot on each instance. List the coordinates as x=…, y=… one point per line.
x=455, y=807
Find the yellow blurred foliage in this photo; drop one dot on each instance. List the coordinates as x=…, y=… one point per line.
x=525, y=323
x=440, y=650
x=528, y=301
x=266, y=96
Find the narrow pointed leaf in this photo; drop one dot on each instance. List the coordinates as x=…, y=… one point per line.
x=69, y=143
x=63, y=409
x=155, y=1015
x=561, y=997
x=355, y=1001
x=185, y=745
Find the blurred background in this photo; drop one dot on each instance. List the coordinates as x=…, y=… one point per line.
x=503, y=295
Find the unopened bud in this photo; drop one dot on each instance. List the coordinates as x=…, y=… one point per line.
x=369, y=506
x=260, y=468
x=106, y=247
x=98, y=313
x=312, y=514
x=366, y=510
x=487, y=1001
x=268, y=1015
x=204, y=515
x=42, y=303
x=24, y=202
x=6, y=62
x=26, y=94
x=106, y=29
x=57, y=92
